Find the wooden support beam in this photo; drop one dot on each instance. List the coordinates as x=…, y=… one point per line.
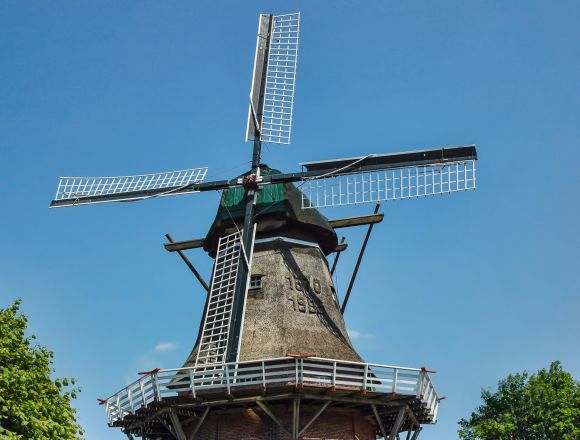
x=340, y=247
x=179, y=434
x=199, y=423
x=398, y=423
x=336, y=257
x=191, y=266
x=193, y=244
x=174, y=246
x=356, y=221
x=353, y=400
x=195, y=416
x=236, y=400
x=379, y=421
x=167, y=426
x=295, y=417
x=411, y=416
x=273, y=416
x=287, y=396
x=146, y=420
x=313, y=418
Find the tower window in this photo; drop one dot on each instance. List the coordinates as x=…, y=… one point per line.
x=256, y=282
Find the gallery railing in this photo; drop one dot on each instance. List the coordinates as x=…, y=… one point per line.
x=157, y=385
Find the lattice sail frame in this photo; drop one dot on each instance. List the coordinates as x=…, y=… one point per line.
x=276, y=124
x=81, y=190
x=390, y=184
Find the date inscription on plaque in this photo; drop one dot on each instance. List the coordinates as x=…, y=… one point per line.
x=300, y=287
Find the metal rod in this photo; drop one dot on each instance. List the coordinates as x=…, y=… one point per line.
x=191, y=267
x=358, y=261
x=336, y=257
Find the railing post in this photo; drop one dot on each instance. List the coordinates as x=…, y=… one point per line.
x=119, y=411
x=227, y=371
x=130, y=396
x=296, y=370
x=263, y=375
x=301, y=371
x=334, y=375
x=420, y=384
x=365, y=378
x=427, y=393
x=142, y=389
x=108, y=409
x=395, y=376
x=192, y=382
x=155, y=384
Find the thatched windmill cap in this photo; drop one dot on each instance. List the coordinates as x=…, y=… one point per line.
x=278, y=212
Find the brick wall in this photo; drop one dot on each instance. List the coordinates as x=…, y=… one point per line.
x=253, y=424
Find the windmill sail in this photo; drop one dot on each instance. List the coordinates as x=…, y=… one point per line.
x=73, y=191
x=377, y=178
x=273, y=84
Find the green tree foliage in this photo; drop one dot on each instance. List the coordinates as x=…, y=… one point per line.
x=542, y=406
x=32, y=405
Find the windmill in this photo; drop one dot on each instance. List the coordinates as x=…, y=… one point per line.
x=260, y=366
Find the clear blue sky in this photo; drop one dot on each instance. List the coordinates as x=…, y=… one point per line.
x=474, y=285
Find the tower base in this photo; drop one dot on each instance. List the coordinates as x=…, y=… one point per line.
x=255, y=424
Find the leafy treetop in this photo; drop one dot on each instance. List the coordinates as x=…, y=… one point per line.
x=32, y=405
x=542, y=406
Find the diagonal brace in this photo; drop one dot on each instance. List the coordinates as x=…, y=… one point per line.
x=295, y=417
x=358, y=261
x=168, y=426
x=191, y=266
x=199, y=423
x=179, y=434
x=379, y=421
x=398, y=423
x=416, y=434
x=273, y=416
x=313, y=418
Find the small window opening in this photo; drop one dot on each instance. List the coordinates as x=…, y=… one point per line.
x=256, y=282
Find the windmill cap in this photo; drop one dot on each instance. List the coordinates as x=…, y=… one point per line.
x=278, y=211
